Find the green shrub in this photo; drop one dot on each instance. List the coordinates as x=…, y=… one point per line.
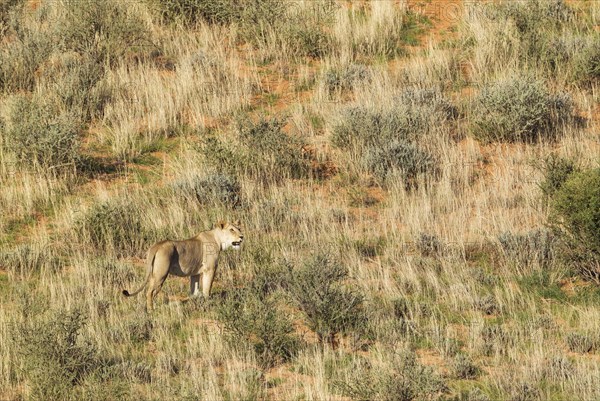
x=329, y=306
x=191, y=11
x=405, y=379
x=80, y=86
x=219, y=189
x=264, y=152
x=258, y=321
x=113, y=226
x=345, y=78
x=581, y=342
x=38, y=134
x=519, y=109
x=56, y=356
x=586, y=63
x=556, y=171
x=576, y=219
x=415, y=113
x=463, y=367
x=272, y=153
x=105, y=31
x=20, y=60
x=534, y=247
x=402, y=158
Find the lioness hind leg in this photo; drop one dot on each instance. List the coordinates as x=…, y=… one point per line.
x=195, y=285
x=153, y=290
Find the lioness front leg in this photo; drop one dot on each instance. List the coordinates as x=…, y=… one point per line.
x=195, y=285
x=207, y=280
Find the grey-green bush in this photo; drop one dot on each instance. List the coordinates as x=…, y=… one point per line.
x=416, y=112
x=404, y=380
x=556, y=171
x=339, y=79
x=399, y=157
x=104, y=31
x=56, y=355
x=264, y=152
x=213, y=189
x=519, y=108
x=40, y=135
x=330, y=306
x=257, y=320
x=463, y=367
x=580, y=342
x=112, y=226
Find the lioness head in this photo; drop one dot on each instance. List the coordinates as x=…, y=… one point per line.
x=230, y=234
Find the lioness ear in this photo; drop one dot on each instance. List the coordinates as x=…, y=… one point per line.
x=221, y=224
x=237, y=223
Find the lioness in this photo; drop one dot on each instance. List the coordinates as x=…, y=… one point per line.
x=190, y=257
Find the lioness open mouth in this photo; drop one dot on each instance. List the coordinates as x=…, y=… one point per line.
x=237, y=243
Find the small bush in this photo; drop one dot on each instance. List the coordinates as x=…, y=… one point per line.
x=524, y=392
x=191, y=11
x=387, y=140
x=219, y=189
x=581, y=342
x=478, y=395
x=112, y=226
x=37, y=134
x=80, y=86
x=586, y=62
x=556, y=171
x=534, y=247
x=416, y=112
x=104, y=31
x=272, y=153
x=265, y=152
x=330, y=308
x=487, y=304
x=519, y=109
x=345, y=78
x=56, y=356
x=401, y=158
x=259, y=322
x=576, y=220
x=463, y=367
x=405, y=379
x=429, y=245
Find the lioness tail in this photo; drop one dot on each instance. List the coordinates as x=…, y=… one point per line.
x=148, y=273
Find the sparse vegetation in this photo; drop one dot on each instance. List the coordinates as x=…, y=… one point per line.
x=519, y=109
x=417, y=184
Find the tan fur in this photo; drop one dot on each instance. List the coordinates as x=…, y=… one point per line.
x=188, y=258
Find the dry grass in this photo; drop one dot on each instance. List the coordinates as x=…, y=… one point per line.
x=443, y=289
